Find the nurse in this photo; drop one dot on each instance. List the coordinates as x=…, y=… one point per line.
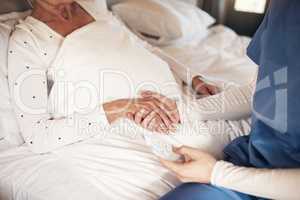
x=265, y=164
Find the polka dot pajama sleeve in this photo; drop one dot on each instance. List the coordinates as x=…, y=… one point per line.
x=29, y=92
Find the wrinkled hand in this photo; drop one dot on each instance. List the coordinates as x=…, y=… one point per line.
x=202, y=88
x=59, y=8
x=197, y=166
x=166, y=117
x=157, y=119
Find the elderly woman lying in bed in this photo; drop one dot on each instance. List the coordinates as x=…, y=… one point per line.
x=90, y=49
x=78, y=67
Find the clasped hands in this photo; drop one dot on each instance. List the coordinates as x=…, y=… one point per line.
x=152, y=110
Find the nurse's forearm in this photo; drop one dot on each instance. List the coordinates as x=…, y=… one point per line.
x=231, y=104
x=267, y=183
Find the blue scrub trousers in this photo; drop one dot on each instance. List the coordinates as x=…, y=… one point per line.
x=193, y=191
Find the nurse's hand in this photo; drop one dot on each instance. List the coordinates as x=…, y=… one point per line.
x=197, y=166
x=202, y=88
x=62, y=9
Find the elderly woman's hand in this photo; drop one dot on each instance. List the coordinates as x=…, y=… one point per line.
x=168, y=113
x=197, y=166
x=59, y=8
x=157, y=120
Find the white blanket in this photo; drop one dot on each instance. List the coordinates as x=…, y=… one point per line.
x=220, y=58
x=115, y=166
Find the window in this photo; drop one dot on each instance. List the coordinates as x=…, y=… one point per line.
x=252, y=6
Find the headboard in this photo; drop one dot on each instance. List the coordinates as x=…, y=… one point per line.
x=244, y=23
x=13, y=5
x=217, y=8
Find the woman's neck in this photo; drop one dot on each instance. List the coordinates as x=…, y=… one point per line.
x=79, y=19
x=42, y=14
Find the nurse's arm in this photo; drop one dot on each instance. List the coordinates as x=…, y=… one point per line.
x=267, y=183
x=232, y=104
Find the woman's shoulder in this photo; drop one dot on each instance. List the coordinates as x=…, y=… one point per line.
x=23, y=31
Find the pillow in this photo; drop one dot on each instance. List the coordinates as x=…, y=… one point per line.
x=8, y=6
x=162, y=22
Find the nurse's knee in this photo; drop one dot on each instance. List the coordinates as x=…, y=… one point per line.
x=193, y=191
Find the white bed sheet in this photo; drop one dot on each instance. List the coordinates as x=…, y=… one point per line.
x=26, y=176
x=4, y=145
x=111, y=166
x=221, y=57
x=114, y=167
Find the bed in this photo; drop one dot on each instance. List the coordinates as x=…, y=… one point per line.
x=94, y=169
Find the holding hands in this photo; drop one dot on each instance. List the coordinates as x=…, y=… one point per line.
x=152, y=111
x=161, y=116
